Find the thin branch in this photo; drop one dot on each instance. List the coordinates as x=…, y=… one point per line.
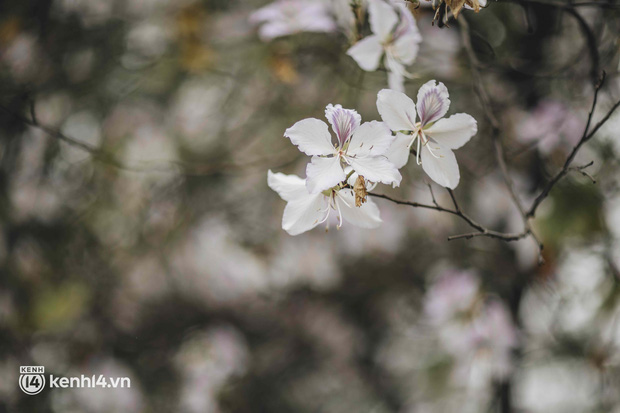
x=156, y=166
x=430, y=188
x=586, y=136
x=481, y=231
x=496, y=137
x=582, y=171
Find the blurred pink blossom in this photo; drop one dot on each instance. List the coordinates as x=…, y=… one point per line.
x=451, y=295
x=479, y=334
x=551, y=125
x=286, y=17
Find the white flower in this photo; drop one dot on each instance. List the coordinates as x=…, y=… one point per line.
x=436, y=137
x=395, y=36
x=362, y=147
x=305, y=211
x=285, y=17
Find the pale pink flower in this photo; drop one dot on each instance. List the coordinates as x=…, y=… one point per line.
x=286, y=17
x=550, y=125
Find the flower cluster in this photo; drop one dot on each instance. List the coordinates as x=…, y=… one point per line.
x=337, y=168
x=343, y=170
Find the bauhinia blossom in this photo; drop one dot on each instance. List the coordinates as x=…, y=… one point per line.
x=360, y=146
x=305, y=211
x=395, y=37
x=286, y=17
x=435, y=137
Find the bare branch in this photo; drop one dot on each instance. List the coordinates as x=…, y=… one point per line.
x=481, y=231
x=582, y=170
x=106, y=158
x=586, y=136
x=496, y=137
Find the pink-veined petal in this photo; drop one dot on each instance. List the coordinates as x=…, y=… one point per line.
x=383, y=18
x=376, y=169
x=397, y=110
x=407, y=23
x=433, y=102
x=344, y=121
x=289, y=187
x=304, y=214
x=453, y=132
x=323, y=173
x=367, y=53
x=442, y=167
x=366, y=216
x=398, y=153
x=371, y=139
x=311, y=136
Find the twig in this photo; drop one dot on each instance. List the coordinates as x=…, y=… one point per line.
x=586, y=136
x=481, y=230
x=430, y=188
x=157, y=166
x=582, y=171
x=495, y=134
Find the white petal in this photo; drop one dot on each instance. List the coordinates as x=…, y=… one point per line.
x=367, y=53
x=376, y=169
x=311, y=136
x=323, y=173
x=455, y=131
x=344, y=121
x=289, y=187
x=315, y=17
x=383, y=18
x=267, y=13
x=405, y=48
x=433, y=101
x=304, y=214
x=371, y=139
x=398, y=153
x=407, y=25
x=443, y=168
x=366, y=216
x=396, y=79
x=271, y=30
x=397, y=110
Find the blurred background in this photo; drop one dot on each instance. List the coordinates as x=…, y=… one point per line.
x=138, y=236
